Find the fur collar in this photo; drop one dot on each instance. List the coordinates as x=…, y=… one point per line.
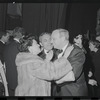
x=25, y=58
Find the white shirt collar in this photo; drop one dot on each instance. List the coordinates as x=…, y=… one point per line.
x=65, y=46
x=16, y=40
x=2, y=42
x=45, y=51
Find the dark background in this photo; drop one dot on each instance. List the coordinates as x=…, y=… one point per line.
x=39, y=17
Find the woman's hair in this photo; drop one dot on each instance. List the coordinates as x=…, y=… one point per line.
x=23, y=47
x=96, y=43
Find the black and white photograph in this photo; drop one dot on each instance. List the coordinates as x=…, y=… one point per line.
x=50, y=50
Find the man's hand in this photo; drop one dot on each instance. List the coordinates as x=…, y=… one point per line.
x=92, y=82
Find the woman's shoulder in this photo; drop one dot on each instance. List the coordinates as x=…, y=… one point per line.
x=25, y=58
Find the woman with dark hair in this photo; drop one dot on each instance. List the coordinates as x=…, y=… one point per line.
x=81, y=41
x=78, y=41
x=34, y=73
x=94, y=46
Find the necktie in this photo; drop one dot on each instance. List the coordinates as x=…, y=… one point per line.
x=56, y=53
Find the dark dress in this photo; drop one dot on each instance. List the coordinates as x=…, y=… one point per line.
x=88, y=66
x=96, y=62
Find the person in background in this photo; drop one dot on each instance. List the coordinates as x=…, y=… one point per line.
x=88, y=66
x=45, y=43
x=77, y=87
x=10, y=52
x=11, y=35
x=98, y=37
x=94, y=46
x=4, y=37
x=78, y=40
x=46, y=46
x=34, y=73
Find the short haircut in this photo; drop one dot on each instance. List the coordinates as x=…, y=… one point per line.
x=64, y=32
x=2, y=33
x=18, y=30
x=23, y=47
x=44, y=33
x=96, y=43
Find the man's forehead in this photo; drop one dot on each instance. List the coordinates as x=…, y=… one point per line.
x=55, y=33
x=46, y=36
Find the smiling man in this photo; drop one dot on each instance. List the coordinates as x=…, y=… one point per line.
x=45, y=42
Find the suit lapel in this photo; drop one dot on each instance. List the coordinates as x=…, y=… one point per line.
x=66, y=49
x=42, y=54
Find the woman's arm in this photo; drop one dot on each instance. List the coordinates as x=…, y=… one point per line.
x=47, y=70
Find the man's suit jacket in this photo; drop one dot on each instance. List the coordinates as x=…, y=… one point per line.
x=78, y=87
x=1, y=51
x=10, y=52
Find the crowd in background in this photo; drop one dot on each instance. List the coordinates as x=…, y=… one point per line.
x=49, y=65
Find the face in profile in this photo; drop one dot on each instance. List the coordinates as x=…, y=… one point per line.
x=35, y=48
x=56, y=40
x=46, y=42
x=78, y=39
x=6, y=38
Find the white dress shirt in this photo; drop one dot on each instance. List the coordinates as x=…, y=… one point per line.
x=16, y=40
x=60, y=55
x=45, y=51
x=2, y=42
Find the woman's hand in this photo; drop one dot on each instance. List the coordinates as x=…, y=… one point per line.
x=49, y=55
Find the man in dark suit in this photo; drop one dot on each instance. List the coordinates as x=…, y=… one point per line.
x=4, y=37
x=60, y=40
x=10, y=52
